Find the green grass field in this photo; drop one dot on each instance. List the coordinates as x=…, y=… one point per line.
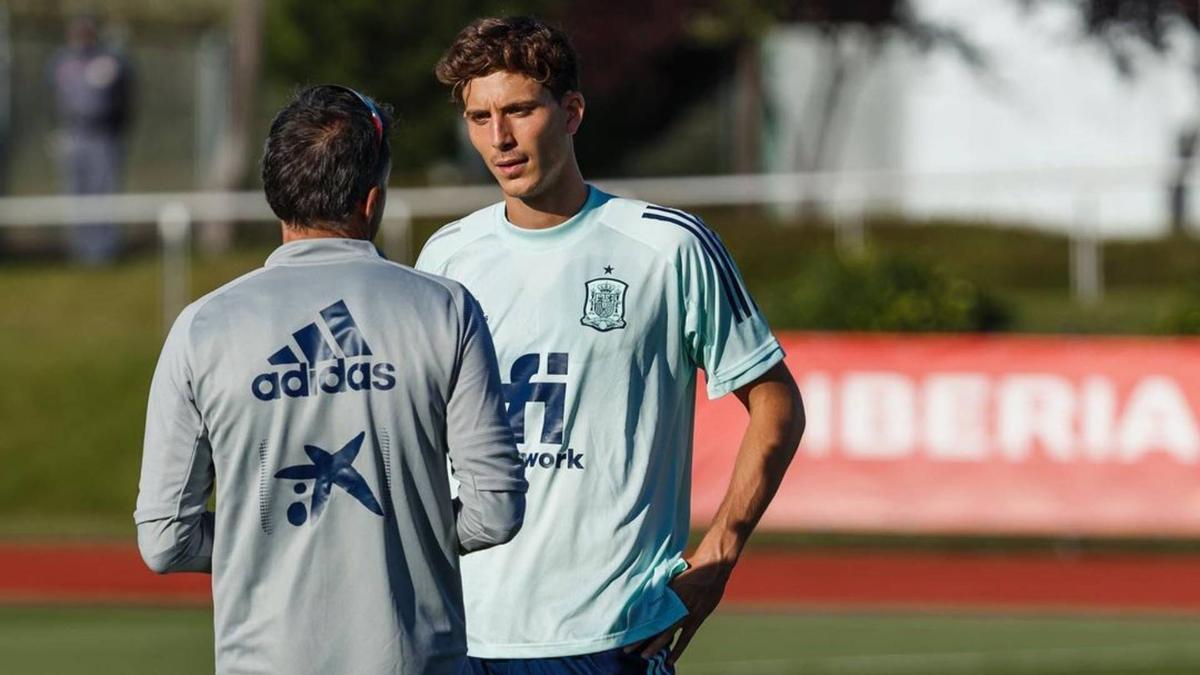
x=98, y=641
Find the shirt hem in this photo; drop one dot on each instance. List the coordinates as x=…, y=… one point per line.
x=575, y=647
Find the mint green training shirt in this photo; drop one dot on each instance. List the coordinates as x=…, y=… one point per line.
x=600, y=324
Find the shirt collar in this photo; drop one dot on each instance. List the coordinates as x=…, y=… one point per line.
x=323, y=250
x=551, y=237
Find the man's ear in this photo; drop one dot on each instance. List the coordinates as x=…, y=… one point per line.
x=574, y=104
x=372, y=204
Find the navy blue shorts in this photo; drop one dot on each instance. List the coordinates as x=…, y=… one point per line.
x=612, y=662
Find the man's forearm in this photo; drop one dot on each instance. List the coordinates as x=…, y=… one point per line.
x=772, y=435
x=178, y=545
x=488, y=519
x=776, y=424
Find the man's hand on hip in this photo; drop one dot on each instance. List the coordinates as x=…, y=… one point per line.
x=700, y=588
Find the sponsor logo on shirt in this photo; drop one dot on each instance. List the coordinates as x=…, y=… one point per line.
x=551, y=460
x=345, y=365
x=327, y=470
x=550, y=397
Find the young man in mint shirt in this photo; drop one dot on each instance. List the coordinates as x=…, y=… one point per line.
x=602, y=310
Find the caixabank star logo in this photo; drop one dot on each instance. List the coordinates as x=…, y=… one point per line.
x=326, y=470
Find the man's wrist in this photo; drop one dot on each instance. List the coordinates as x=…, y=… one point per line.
x=720, y=546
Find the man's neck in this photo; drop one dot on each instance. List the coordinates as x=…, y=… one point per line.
x=555, y=207
x=291, y=233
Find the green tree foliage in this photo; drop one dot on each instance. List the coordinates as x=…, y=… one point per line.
x=642, y=68
x=734, y=20
x=1122, y=25
x=644, y=62
x=1183, y=315
x=387, y=49
x=891, y=294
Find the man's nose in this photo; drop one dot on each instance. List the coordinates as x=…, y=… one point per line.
x=502, y=138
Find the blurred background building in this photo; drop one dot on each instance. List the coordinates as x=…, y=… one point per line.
x=1018, y=94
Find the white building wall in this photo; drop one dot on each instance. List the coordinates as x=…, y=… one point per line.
x=1048, y=110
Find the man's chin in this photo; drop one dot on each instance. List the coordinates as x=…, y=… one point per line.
x=519, y=188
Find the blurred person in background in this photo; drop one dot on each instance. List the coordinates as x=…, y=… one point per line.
x=603, y=309
x=323, y=394
x=93, y=89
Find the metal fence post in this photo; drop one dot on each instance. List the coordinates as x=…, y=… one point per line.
x=175, y=235
x=1087, y=254
x=850, y=232
x=397, y=231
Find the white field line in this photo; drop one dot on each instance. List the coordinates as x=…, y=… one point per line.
x=1072, y=660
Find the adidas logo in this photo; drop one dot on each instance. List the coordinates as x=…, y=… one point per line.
x=303, y=378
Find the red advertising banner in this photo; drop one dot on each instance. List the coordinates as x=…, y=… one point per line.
x=967, y=434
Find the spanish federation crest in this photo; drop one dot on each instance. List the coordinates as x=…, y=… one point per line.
x=604, y=304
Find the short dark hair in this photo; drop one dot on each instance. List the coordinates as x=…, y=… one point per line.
x=517, y=44
x=323, y=155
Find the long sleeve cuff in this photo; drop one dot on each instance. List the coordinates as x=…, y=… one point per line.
x=485, y=518
x=178, y=545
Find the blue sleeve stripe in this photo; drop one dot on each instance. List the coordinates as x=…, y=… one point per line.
x=733, y=300
x=730, y=267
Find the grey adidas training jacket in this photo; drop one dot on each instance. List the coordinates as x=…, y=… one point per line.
x=323, y=393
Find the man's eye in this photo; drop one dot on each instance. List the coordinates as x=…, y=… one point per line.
x=478, y=119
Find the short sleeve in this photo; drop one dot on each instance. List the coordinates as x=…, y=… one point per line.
x=428, y=262
x=725, y=334
x=432, y=258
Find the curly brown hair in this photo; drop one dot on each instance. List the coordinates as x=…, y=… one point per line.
x=517, y=44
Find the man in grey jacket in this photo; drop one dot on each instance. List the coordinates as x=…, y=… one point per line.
x=322, y=393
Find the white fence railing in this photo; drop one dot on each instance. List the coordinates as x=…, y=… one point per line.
x=1069, y=201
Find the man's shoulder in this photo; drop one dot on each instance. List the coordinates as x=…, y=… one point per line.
x=252, y=296
x=209, y=304
x=456, y=236
x=440, y=284
x=665, y=229
x=419, y=283
x=214, y=297
x=261, y=281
